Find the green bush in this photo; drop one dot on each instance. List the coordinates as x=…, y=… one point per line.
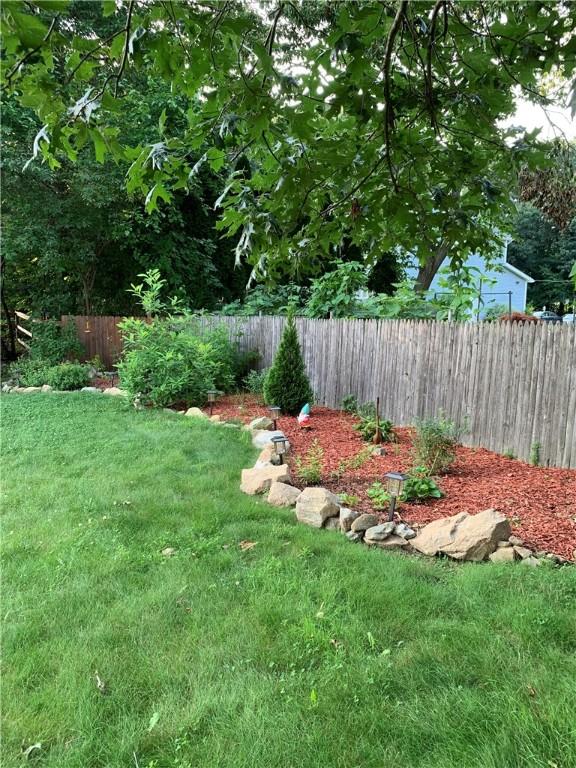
x=53, y=343
x=418, y=487
x=435, y=443
x=367, y=427
x=68, y=376
x=31, y=372
x=349, y=404
x=286, y=384
x=164, y=364
x=254, y=381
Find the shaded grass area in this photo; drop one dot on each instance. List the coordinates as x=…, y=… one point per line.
x=304, y=651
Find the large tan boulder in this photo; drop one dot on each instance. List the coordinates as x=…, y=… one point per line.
x=363, y=522
x=259, y=479
x=262, y=422
x=316, y=505
x=464, y=536
x=283, y=495
x=114, y=392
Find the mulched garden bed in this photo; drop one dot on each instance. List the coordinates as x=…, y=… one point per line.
x=540, y=502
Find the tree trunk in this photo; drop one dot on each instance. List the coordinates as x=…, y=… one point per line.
x=9, y=351
x=427, y=271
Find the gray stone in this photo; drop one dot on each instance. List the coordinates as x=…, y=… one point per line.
x=95, y=391
x=363, y=522
x=392, y=542
x=347, y=517
x=379, y=532
x=523, y=552
x=515, y=541
x=168, y=551
x=26, y=390
x=354, y=536
x=260, y=479
x=378, y=451
x=332, y=524
x=531, y=561
x=196, y=413
x=464, y=536
x=283, y=495
x=315, y=506
x=263, y=438
x=6, y=387
x=216, y=418
x=46, y=388
x=114, y=391
x=503, y=555
x=503, y=544
x=401, y=529
x=262, y=422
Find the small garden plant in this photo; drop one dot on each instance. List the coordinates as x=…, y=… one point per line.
x=309, y=467
x=435, y=442
x=419, y=486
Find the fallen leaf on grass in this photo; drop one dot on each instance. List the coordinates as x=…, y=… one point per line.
x=244, y=545
x=100, y=684
x=168, y=551
x=531, y=691
x=27, y=752
x=153, y=721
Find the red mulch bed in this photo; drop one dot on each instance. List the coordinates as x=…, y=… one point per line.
x=540, y=501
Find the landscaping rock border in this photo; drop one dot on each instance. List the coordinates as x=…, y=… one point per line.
x=485, y=536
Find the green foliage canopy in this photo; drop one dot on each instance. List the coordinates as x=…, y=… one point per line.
x=379, y=123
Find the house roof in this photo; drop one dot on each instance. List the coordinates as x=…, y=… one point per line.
x=518, y=272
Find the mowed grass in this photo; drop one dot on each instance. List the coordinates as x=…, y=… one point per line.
x=303, y=652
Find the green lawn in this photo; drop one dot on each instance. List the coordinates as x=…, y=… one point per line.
x=303, y=652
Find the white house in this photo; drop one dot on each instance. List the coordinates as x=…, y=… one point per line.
x=501, y=283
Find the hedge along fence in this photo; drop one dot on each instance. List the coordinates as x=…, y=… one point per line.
x=514, y=384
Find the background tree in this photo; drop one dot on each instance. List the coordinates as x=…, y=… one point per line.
x=378, y=123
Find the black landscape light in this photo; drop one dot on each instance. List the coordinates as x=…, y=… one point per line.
x=394, y=485
x=275, y=413
x=280, y=447
x=212, y=394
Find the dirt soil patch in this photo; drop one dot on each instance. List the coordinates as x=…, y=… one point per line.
x=539, y=501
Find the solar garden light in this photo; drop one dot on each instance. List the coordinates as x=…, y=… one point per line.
x=394, y=484
x=275, y=413
x=280, y=447
x=110, y=375
x=212, y=394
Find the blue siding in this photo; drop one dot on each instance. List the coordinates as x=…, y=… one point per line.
x=505, y=281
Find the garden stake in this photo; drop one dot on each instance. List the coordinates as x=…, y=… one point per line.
x=378, y=434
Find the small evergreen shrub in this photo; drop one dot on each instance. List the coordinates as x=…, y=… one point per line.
x=286, y=384
x=68, y=376
x=309, y=468
x=435, y=443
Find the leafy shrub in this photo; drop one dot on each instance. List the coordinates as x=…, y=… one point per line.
x=286, y=384
x=418, y=486
x=165, y=364
x=379, y=495
x=68, y=376
x=309, y=468
x=336, y=293
x=349, y=500
x=350, y=404
x=31, y=372
x=254, y=381
x=245, y=364
x=435, y=443
x=367, y=427
x=53, y=343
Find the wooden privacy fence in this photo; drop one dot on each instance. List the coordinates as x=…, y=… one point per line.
x=514, y=384
x=99, y=335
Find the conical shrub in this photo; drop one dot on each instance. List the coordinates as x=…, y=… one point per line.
x=286, y=384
